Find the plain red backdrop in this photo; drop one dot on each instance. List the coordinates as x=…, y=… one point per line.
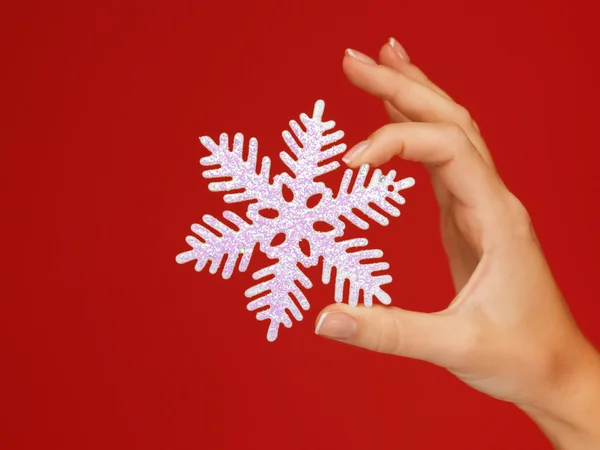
x=108, y=343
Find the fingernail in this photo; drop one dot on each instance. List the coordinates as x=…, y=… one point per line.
x=336, y=325
x=360, y=56
x=355, y=151
x=398, y=49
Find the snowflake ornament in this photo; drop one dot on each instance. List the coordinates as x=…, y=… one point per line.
x=299, y=220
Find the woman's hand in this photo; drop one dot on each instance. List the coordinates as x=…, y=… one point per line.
x=508, y=331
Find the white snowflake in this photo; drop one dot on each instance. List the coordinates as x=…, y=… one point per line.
x=301, y=219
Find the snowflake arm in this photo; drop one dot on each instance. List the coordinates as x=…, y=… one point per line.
x=231, y=164
x=309, y=153
x=380, y=190
x=228, y=247
x=279, y=294
x=350, y=266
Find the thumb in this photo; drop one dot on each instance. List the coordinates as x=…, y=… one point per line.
x=436, y=338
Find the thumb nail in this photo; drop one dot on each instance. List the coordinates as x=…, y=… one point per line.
x=336, y=325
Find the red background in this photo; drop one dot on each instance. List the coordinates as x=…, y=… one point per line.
x=108, y=343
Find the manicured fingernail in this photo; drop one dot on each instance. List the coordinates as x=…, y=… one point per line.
x=360, y=56
x=398, y=49
x=336, y=325
x=355, y=151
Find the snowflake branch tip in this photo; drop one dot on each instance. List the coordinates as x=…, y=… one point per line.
x=235, y=171
x=220, y=244
x=210, y=145
x=308, y=145
x=279, y=295
x=360, y=274
x=405, y=183
x=381, y=190
x=319, y=108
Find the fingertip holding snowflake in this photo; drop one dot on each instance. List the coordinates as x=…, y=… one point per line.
x=279, y=297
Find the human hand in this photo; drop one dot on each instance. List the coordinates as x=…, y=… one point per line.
x=508, y=331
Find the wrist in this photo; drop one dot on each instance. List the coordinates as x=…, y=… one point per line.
x=569, y=412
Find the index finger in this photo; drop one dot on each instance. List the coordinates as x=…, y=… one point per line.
x=445, y=148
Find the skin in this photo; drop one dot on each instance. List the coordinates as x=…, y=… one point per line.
x=508, y=332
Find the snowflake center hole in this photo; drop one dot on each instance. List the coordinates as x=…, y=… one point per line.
x=313, y=200
x=269, y=213
x=322, y=227
x=304, y=247
x=278, y=239
x=288, y=194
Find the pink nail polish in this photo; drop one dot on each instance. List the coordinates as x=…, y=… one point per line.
x=398, y=49
x=356, y=151
x=360, y=56
x=336, y=325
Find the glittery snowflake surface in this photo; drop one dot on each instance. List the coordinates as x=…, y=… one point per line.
x=306, y=211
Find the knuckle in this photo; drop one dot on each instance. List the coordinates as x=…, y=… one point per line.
x=454, y=130
x=451, y=140
x=454, y=133
x=463, y=116
x=400, y=89
x=391, y=341
x=384, y=136
x=518, y=213
x=388, y=128
x=517, y=221
x=395, y=91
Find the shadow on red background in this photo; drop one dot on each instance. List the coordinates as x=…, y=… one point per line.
x=108, y=343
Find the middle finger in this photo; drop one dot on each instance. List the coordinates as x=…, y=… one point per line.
x=414, y=100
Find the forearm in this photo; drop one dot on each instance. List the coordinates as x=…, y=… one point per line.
x=570, y=416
